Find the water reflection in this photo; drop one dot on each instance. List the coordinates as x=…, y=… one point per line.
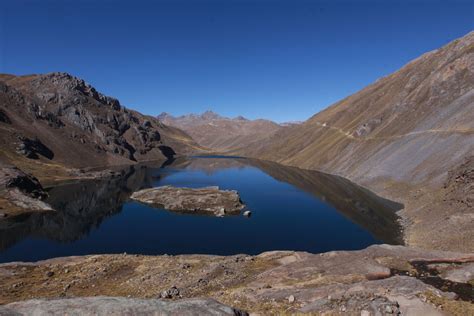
x=361, y=206
x=79, y=207
x=84, y=205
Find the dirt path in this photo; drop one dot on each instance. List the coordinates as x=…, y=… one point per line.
x=428, y=131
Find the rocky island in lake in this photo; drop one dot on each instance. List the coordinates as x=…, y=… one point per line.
x=207, y=200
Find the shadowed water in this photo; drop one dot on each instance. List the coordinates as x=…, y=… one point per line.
x=292, y=209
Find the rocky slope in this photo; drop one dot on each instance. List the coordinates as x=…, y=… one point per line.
x=401, y=137
x=221, y=133
x=52, y=122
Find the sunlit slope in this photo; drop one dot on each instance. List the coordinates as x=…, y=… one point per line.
x=413, y=125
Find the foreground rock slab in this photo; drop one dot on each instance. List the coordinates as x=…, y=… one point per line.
x=207, y=200
x=118, y=306
x=378, y=280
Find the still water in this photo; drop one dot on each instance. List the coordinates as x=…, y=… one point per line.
x=292, y=209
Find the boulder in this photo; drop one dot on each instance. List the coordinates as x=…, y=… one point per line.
x=173, y=292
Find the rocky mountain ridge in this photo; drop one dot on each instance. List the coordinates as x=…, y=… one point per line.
x=197, y=119
x=221, y=133
x=59, y=121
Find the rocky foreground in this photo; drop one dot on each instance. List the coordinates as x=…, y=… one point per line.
x=119, y=306
x=208, y=200
x=380, y=279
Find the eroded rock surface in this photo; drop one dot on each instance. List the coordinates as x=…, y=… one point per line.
x=20, y=191
x=208, y=200
x=12, y=177
x=118, y=306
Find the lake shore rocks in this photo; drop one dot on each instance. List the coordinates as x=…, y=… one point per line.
x=207, y=200
x=379, y=280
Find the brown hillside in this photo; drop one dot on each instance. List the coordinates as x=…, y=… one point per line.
x=56, y=121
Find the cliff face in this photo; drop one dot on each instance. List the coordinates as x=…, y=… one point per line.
x=221, y=133
x=60, y=120
x=400, y=136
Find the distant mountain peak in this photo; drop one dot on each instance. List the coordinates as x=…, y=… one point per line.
x=217, y=132
x=291, y=123
x=206, y=117
x=240, y=118
x=210, y=115
x=164, y=115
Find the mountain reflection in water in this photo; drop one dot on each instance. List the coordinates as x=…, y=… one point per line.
x=96, y=216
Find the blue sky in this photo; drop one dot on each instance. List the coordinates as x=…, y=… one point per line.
x=282, y=60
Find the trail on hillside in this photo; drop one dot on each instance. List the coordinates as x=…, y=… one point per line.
x=428, y=131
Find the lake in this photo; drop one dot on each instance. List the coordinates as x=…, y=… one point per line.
x=292, y=209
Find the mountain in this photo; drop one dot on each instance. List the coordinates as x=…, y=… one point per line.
x=220, y=133
x=401, y=136
x=55, y=121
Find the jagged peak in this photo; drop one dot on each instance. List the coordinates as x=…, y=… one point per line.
x=240, y=118
x=164, y=115
x=209, y=115
x=68, y=82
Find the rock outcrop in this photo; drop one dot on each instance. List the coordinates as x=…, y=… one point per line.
x=119, y=306
x=20, y=191
x=208, y=200
x=13, y=178
x=32, y=148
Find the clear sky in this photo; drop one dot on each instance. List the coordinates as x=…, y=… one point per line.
x=282, y=60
